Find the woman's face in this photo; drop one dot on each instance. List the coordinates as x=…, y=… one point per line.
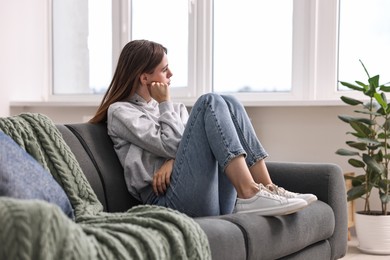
x=162, y=73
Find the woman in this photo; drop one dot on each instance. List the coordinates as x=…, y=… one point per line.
x=207, y=163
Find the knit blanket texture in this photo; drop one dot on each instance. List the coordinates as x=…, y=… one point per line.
x=35, y=229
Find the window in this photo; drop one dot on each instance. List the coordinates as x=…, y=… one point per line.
x=82, y=46
x=263, y=51
x=364, y=35
x=252, y=46
x=170, y=28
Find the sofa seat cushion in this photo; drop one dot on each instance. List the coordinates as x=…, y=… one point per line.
x=225, y=238
x=276, y=237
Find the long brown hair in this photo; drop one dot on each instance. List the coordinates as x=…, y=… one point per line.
x=137, y=57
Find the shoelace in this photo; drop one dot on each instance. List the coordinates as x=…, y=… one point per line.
x=280, y=191
x=269, y=193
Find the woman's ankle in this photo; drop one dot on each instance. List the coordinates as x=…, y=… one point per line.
x=248, y=192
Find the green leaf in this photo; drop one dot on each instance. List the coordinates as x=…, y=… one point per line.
x=385, y=198
x=356, y=192
x=358, y=180
x=367, y=112
x=384, y=97
x=379, y=156
x=385, y=88
x=356, y=163
x=372, y=164
x=374, y=81
x=351, y=86
x=370, y=92
x=360, y=146
x=347, y=119
x=345, y=152
x=363, y=85
x=351, y=101
x=373, y=147
x=382, y=100
x=383, y=184
x=386, y=125
x=360, y=128
x=370, y=141
x=356, y=134
x=383, y=135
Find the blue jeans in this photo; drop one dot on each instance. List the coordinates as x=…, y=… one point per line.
x=217, y=131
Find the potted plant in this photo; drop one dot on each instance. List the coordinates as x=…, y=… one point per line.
x=369, y=152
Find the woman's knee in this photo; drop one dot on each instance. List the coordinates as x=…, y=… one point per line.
x=209, y=99
x=215, y=96
x=211, y=96
x=231, y=100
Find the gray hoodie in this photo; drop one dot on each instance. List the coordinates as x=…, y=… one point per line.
x=145, y=135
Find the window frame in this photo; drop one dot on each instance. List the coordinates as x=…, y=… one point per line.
x=314, y=69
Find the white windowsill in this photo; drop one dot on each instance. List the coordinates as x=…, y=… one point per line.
x=189, y=102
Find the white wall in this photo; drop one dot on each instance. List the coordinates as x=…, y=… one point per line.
x=23, y=44
x=304, y=134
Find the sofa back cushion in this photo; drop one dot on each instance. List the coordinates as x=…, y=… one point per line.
x=22, y=177
x=95, y=153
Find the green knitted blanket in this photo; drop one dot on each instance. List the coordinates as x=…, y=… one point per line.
x=32, y=229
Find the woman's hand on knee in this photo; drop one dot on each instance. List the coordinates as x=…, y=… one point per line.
x=162, y=177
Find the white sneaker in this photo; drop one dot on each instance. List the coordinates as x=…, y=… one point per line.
x=290, y=195
x=266, y=203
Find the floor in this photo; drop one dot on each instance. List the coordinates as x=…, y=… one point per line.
x=355, y=254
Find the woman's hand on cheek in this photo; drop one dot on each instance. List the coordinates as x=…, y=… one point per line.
x=159, y=91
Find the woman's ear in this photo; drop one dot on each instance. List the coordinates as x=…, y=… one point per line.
x=144, y=79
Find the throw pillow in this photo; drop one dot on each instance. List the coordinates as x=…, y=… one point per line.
x=22, y=177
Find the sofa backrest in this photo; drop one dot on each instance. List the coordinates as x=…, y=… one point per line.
x=95, y=153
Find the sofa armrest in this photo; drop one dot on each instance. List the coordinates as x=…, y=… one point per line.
x=326, y=181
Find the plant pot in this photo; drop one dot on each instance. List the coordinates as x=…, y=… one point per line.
x=373, y=233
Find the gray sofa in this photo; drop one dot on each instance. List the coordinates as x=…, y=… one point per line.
x=316, y=232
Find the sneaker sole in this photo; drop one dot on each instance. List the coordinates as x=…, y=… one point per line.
x=278, y=211
x=310, y=199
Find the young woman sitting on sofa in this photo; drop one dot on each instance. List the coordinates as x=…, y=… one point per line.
x=205, y=163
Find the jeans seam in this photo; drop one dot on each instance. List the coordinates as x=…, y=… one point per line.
x=231, y=155
x=253, y=158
